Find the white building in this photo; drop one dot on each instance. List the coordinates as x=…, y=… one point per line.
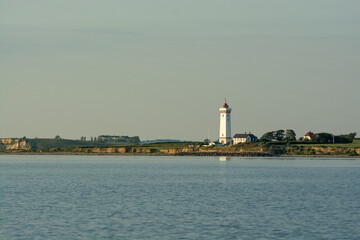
x=225, y=124
x=246, y=137
x=213, y=144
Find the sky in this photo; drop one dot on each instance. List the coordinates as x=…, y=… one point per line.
x=162, y=68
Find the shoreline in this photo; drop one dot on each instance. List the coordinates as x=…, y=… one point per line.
x=175, y=155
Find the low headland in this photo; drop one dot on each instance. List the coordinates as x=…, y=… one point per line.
x=251, y=149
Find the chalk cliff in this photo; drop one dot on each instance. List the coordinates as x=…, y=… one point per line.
x=14, y=143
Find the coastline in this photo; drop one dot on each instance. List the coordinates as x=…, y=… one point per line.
x=251, y=149
x=189, y=154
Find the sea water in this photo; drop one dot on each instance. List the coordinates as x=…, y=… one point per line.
x=152, y=197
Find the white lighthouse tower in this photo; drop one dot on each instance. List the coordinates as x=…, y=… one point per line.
x=225, y=124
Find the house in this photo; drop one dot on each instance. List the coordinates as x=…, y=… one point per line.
x=245, y=137
x=309, y=136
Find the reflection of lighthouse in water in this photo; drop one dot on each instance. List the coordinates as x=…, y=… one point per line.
x=224, y=159
x=225, y=124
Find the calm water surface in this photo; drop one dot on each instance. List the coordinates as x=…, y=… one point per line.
x=140, y=197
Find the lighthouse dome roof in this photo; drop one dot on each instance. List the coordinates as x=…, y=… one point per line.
x=225, y=105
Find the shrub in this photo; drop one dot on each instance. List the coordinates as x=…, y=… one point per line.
x=352, y=153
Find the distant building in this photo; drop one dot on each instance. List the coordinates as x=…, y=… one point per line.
x=225, y=124
x=215, y=144
x=245, y=137
x=309, y=136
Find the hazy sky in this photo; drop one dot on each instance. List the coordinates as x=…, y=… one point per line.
x=161, y=69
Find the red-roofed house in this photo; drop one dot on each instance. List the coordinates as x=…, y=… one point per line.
x=309, y=136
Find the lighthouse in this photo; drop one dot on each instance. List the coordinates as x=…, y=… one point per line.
x=225, y=124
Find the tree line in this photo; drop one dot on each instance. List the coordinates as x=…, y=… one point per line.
x=108, y=139
x=330, y=138
x=279, y=135
x=289, y=136
x=113, y=139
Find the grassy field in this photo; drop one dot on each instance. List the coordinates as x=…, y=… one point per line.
x=167, y=145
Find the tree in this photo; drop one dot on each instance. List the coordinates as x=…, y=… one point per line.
x=268, y=137
x=279, y=135
x=350, y=137
x=345, y=138
x=324, y=137
x=290, y=135
x=206, y=141
x=91, y=139
x=57, y=137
